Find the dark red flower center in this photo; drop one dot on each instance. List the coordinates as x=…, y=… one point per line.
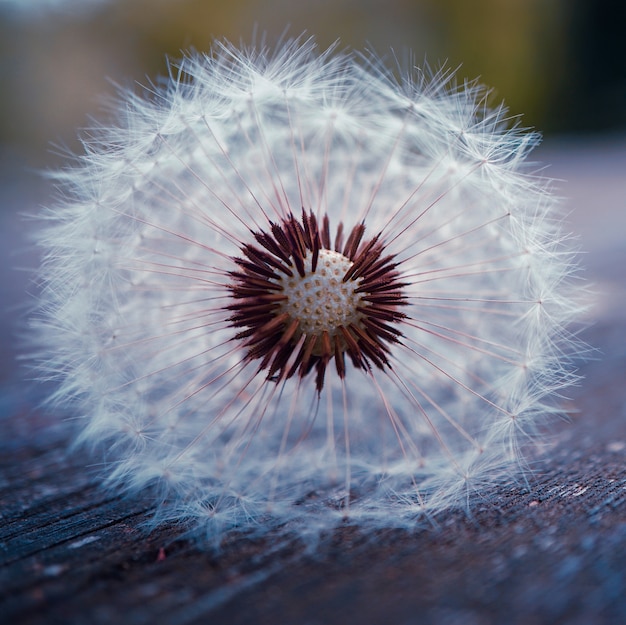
x=300, y=301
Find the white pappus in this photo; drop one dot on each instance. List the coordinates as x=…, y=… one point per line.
x=293, y=287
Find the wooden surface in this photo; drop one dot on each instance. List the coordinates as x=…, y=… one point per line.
x=70, y=553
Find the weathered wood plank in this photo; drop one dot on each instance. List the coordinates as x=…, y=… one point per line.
x=71, y=553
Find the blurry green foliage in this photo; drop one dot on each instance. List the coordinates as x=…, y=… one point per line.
x=560, y=62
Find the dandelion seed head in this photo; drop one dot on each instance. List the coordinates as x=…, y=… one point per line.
x=288, y=287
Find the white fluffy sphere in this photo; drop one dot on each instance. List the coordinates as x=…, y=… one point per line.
x=165, y=320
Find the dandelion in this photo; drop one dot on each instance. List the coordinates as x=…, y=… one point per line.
x=290, y=287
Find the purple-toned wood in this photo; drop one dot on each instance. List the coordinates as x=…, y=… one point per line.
x=550, y=552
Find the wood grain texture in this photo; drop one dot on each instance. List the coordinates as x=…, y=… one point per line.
x=555, y=553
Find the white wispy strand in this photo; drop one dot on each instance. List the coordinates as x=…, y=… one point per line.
x=136, y=273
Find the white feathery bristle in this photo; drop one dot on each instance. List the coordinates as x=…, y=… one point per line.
x=139, y=279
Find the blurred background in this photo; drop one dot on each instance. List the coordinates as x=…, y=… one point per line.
x=562, y=63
